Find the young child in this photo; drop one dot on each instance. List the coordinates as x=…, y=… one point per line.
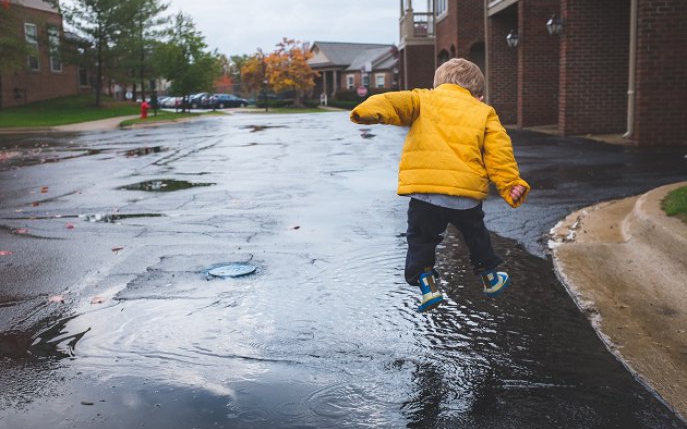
x=455, y=146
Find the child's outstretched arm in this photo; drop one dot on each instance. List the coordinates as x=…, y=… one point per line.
x=500, y=163
x=393, y=108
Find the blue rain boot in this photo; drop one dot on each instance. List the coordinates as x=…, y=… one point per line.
x=494, y=282
x=431, y=296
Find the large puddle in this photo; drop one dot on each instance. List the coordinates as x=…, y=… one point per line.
x=324, y=333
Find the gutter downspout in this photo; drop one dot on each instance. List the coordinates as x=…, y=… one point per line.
x=632, y=81
x=486, y=52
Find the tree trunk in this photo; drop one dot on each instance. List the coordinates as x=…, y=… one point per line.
x=99, y=73
x=298, y=101
x=142, y=66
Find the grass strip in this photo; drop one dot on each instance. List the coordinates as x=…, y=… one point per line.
x=675, y=203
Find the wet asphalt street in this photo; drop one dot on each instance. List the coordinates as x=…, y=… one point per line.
x=109, y=320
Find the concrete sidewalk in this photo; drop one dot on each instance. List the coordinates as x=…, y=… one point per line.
x=90, y=126
x=625, y=264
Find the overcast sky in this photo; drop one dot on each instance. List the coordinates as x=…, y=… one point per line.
x=237, y=27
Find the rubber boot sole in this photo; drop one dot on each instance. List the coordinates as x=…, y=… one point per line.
x=500, y=291
x=431, y=304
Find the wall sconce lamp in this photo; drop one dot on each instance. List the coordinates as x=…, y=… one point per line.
x=512, y=39
x=554, y=25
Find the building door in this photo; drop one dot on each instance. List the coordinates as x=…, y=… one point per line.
x=477, y=56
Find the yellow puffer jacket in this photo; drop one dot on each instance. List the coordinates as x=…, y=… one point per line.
x=455, y=146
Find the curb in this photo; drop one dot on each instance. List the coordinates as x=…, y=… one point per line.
x=648, y=222
x=623, y=262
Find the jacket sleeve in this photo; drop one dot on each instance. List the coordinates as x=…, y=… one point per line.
x=500, y=161
x=392, y=108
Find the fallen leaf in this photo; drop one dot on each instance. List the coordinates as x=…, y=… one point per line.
x=35, y=203
x=44, y=190
x=56, y=298
x=97, y=300
x=295, y=227
x=117, y=249
x=21, y=231
x=70, y=225
x=5, y=253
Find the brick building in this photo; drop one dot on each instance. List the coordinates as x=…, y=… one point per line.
x=346, y=66
x=606, y=67
x=45, y=75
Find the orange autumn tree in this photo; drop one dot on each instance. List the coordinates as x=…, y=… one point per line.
x=253, y=72
x=288, y=69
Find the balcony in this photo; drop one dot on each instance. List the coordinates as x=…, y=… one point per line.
x=417, y=25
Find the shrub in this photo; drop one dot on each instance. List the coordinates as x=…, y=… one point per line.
x=343, y=104
x=352, y=95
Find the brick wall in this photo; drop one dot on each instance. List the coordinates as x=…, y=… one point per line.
x=503, y=66
x=594, y=66
x=419, y=63
x=42, y=84
x=470, y=30
x=537, y=64
x=447, y=29
x=661, y=91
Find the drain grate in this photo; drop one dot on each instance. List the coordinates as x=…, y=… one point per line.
x=231, y=270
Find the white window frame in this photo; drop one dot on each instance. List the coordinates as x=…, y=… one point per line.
x=366, y=79
x=54, y=45
x=350, y=81
x=442, y=8
x=378, y=77
x=32, y=41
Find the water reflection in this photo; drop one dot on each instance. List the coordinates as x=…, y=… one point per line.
x=163, y=185
x=56, y=341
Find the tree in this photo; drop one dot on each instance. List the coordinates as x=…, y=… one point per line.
x=13, y=47
x=102, y=23
x=236, y=63
x=184, y=60
x=138, y=38
x=288, y=69
x=254, y=72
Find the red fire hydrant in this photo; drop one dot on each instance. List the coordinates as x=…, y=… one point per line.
x=144, y=109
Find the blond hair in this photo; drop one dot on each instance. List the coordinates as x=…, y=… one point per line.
x=461, y=72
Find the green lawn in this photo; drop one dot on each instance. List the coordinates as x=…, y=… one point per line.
x=66, y=110
x=675, y=203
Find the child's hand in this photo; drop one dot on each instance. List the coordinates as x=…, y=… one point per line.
x=517, y=192
x=364, y=119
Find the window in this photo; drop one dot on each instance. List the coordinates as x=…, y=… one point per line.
x=350, y=81
x=31, y=35
x=442, y=7
x=366, y=79
x=54, y=43
x=379, y=80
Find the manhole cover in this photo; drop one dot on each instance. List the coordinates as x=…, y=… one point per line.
x=231, y=270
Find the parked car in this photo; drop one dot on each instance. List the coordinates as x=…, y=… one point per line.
x=220, y=101
x=197, y=101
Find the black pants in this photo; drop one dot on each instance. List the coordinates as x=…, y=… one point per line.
x=427, y=223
